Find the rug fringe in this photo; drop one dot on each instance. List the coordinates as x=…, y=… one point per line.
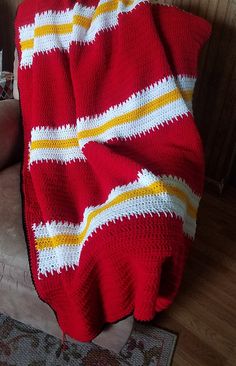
x=64, y=347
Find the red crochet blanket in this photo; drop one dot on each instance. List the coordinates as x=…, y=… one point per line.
x=113, y=168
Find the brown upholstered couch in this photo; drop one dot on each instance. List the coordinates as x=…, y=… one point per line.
x=18, y=297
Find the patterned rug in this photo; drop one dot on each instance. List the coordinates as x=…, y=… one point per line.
x=22, y=345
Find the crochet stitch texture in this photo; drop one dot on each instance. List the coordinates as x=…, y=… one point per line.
x=113, y=168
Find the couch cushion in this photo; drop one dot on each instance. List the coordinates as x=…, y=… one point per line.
x=11, y=134
x=14, y=263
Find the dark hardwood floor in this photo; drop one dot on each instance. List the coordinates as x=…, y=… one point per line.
x=204, y=312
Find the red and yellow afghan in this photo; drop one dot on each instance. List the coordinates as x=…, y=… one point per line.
x=113, y=167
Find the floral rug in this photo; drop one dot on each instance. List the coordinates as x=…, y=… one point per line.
x=22, y=345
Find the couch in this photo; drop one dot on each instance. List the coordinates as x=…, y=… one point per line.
x=18, y=297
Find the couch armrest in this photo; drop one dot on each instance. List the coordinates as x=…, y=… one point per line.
x=11, y=136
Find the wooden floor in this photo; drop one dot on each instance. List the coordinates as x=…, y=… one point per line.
x=204, y=312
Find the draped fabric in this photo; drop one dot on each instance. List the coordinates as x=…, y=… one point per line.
x=113, y=168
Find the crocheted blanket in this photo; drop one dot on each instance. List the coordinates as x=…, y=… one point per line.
x=113, y=168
